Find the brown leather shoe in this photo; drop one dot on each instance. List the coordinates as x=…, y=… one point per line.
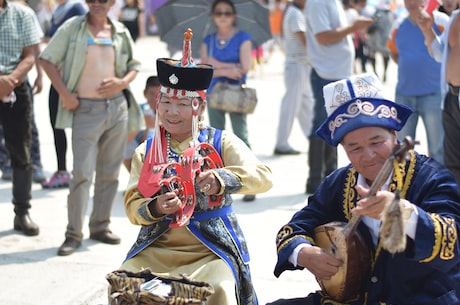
x=106, y=237
x=25, y=224
x=69, y=246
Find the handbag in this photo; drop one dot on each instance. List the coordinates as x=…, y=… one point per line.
x=148, y=288
x=228, y=97
x=233, y=98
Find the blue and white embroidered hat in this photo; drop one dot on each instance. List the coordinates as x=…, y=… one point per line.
x=358, y=102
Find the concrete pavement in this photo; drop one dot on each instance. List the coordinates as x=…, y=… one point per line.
x=32, y=274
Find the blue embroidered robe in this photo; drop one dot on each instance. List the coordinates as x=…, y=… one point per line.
x=427, y=272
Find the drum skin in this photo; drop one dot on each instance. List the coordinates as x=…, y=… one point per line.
x=347, y=282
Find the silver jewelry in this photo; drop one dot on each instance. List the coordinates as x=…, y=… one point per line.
x=172, y=155
x=222, y=43
x=201, y=123
x=205, y=188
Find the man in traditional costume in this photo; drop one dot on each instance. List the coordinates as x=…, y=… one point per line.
x=421, y=265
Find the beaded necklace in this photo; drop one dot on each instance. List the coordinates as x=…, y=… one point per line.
x=172, y=155
x=222, y=43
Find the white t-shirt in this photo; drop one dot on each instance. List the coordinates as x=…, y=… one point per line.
x=332, y=61
x=294, y=22
x=351, y=14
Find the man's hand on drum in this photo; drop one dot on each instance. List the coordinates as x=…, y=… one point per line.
x=319, y=262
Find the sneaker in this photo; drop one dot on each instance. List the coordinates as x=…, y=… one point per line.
x=58, y=180
x=7, y=173
x=38, y=175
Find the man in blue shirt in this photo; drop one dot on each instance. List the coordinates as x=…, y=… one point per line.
x=419, y=85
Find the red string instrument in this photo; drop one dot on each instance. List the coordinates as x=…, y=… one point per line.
x=179, y=177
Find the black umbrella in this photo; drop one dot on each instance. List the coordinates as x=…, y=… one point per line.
x=175, y=16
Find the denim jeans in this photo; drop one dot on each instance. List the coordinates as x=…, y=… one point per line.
x=428, y=107
x=322, y=158
x=320, y=114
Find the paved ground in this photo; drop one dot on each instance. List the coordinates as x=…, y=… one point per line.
x=32, y=273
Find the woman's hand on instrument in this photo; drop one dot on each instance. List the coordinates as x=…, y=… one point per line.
x=208, y=183
x=372, y=206
x=168, y=203
x=322, y=264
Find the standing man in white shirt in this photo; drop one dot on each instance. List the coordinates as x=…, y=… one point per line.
x=298, y=98
x=331, y=53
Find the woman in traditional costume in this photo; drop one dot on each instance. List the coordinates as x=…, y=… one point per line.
x=188, y=226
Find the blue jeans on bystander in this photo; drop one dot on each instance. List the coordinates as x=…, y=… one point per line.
x=428, y=107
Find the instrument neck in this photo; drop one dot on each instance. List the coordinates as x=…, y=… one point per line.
x=379, y=181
